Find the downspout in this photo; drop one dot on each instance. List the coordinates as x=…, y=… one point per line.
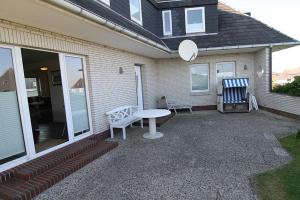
x=99, y=20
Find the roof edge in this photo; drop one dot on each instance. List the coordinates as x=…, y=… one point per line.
x=75, y=9
x=287, y=44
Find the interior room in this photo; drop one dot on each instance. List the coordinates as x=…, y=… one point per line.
x=45, y=98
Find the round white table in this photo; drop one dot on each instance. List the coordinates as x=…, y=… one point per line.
x=151, y=115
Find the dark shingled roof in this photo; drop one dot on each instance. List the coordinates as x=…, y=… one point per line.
x=235, y=29
x=115, y=18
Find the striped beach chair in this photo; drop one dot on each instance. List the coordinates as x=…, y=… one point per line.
x=235, y=96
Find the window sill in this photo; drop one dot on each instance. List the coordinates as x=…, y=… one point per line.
x=206, y=93
x=193, y=33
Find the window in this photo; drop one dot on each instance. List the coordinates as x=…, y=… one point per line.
x=167, y=22
x=199, y=77
x=107, y=2
x=32, y=87
x=194, y=20
x=136, y=11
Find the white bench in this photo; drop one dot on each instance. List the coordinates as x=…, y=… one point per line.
x=122, y=117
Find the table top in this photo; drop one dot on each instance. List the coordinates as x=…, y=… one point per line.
x=152, y=113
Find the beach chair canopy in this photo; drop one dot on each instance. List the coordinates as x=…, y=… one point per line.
x=235, y=83
x=235, y=90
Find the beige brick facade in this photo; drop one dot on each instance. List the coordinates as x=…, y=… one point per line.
x=107, y=88
x=171, y=77
x=174, y=77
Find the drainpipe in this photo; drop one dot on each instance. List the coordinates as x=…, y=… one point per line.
x=99, y=20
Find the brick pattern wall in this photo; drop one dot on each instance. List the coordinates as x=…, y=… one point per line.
x=107, y=88
x=174, y=78
x=262, y=88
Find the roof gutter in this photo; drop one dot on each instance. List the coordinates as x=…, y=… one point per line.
x=246, y=46
x=102, y=21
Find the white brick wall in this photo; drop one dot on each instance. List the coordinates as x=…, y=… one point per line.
x=107, y=88
x=174, y=77
x=262, y=88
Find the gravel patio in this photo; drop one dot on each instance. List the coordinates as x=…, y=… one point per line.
x=204, y=155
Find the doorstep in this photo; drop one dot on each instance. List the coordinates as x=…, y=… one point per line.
x=32, y=178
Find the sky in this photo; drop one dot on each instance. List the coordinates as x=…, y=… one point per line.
x=284, y=16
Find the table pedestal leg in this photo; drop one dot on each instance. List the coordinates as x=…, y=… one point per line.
x=152, y=130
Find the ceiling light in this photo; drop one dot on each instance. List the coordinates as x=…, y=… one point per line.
x=44, y=68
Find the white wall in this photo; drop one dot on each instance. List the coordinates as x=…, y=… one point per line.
x=262, y=88
x=174, y=77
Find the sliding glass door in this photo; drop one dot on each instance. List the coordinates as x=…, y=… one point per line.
x=25, y=105
x=12, y=144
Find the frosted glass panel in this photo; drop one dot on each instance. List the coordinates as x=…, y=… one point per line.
x=77, y=93
x=225, y=70
x=11, y=134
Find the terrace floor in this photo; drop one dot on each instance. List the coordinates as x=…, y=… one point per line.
x=204, y=155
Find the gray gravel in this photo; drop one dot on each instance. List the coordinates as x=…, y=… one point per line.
x=204, y=155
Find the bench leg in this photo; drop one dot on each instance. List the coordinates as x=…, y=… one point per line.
x=142, y=123
x=191, y=110
x=131, y=125
x=112, y=132
x=124, y=133
x=175, y=111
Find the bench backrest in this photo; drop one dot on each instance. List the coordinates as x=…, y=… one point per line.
x=120, y=113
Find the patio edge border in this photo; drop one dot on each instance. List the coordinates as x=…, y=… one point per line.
x=280, y=112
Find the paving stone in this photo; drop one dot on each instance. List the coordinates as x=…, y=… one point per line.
x=204, y=155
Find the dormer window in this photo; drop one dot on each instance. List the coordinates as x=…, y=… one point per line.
x=195, y=20
x=106, y=2
x=136, y=11
x=167, y=22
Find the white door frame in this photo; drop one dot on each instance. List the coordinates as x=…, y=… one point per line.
x=65, y=84
x=24, y=108
x=139, y=86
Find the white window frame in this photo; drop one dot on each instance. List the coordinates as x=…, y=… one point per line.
x=163, y=18
x=139, y=21
x=106, y=2
x=186, y=19
x=191, y=77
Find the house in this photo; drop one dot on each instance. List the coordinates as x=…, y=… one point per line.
x=88, y=57
x=287, y=76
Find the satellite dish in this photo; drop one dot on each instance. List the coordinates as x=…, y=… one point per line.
x=188, y=50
